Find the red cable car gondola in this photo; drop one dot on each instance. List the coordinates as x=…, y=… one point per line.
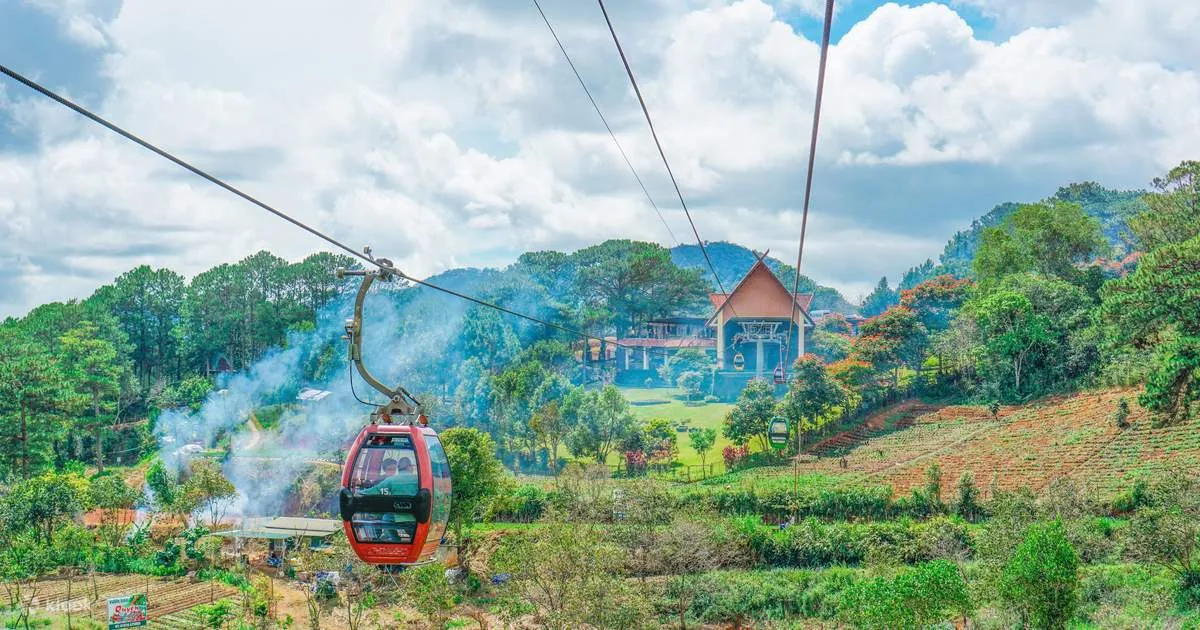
x=396, y=487
x=395, y=497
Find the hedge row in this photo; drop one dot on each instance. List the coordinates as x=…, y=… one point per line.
x=871, y=503
x=813, y=543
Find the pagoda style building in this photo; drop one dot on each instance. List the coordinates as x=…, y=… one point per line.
x=745, y=335
x=751, y=324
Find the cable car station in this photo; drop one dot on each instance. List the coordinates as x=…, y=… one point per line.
x=746, y=335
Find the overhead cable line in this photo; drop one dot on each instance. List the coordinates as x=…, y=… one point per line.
x=37, y=87
x=604, y=120
x=662, y=154
x=812, y=155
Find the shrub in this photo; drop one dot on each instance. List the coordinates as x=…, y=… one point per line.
x=942, y=538
x=711, y=399
x=913, y=598
x=733, y=455
x=967, y=505
x=743, y=597
x=1138, y=495
x=1121, y=416
x=1124, y=596
x=933, y=487
x=777, y=502
x=807, y=544
x=429, y=592
x=1041, y=579
x=523, y=504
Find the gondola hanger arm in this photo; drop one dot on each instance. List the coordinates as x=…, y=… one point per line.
x=400, y=401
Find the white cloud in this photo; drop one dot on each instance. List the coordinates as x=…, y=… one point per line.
x=80, y=20
x=1027, y=13
x=452, y=133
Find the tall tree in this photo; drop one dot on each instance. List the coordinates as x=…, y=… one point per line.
x=209, y=489
x=214, y=311
x=477, y=477
x=147, y=305
x=601, y=420
x=936, y=300
x=857, y=378
x=879, y=300
x=1011, y=329
x=1157, y=309
x=99, y=375
x=33, y=393
x=892, y=339
x=812, y=394
x=751, y=416
x=1173, y=212
x=1050, y=237
x=637, y=281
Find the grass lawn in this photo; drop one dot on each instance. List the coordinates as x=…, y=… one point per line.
x=669, y=403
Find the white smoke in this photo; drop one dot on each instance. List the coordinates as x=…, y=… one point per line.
x=406, y=339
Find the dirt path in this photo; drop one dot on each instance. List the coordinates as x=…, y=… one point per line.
x=255, y=434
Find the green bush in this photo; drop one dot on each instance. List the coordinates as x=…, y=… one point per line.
x=526, y=503
x=1125, y=595
x=778, y=501
x=808, y=544
x=814, y=543
x=1041, y=579
x=778, y=594
x=268, y=416
x=912, y=598
x=1138, y=495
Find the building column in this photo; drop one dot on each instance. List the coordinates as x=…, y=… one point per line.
x=720, y=341
x=758, y=364
x=645, y=358
x=800, y=337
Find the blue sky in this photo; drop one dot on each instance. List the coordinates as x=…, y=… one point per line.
x=850, y=13
x=451, y=132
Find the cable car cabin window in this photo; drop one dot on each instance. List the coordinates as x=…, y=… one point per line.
x=386, y=465
x=441, y=487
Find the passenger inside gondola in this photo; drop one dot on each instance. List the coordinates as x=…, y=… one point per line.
x=397, y=479
x=385, y=467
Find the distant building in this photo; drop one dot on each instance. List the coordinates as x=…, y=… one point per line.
x=746, y=334
x=218, y=363
x=309, y=394
x=289, y=530
x=650, y=343
x=853, y=319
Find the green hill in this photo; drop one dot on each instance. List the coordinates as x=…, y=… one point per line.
x=1112, y=207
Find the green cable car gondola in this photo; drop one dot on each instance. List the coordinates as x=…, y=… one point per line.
x=777, y=432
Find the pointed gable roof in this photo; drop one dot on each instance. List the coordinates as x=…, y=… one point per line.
x=759, y=275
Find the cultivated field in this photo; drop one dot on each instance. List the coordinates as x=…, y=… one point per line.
x=1073, y=436
x=166, y=597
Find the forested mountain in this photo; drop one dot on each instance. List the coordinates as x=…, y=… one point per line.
x=1112, y=208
